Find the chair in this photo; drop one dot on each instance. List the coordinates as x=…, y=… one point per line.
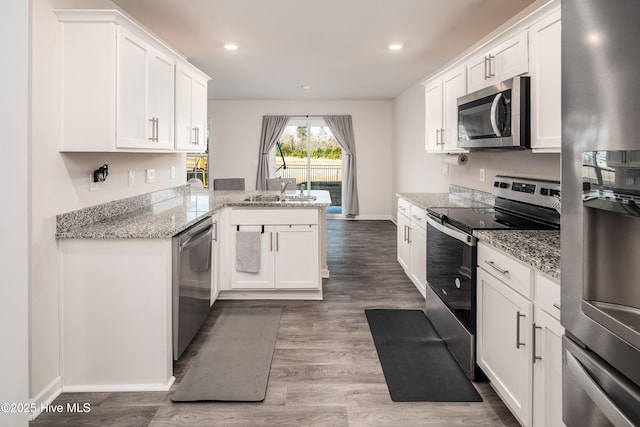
x=228, y=184
x=275, y=183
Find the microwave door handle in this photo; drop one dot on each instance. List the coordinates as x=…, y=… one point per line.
x=494, y=108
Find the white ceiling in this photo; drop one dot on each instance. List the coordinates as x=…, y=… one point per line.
x=339, y=47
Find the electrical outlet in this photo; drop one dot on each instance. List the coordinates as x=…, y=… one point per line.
x=93, y=186
x=151, y=175
x=172, y=172
x=445, y=169
x=483, y=175
x=132, y=177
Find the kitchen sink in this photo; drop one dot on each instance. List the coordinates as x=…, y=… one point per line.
x=262, y=198
x=299, y=198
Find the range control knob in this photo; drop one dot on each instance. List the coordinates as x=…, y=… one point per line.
x=457, y=282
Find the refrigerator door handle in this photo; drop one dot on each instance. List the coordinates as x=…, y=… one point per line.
x=597, y=395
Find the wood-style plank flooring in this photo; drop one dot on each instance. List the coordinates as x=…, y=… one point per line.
x=325, y=369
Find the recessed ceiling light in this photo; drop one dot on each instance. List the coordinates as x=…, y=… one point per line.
x=395, y=46
x=306, y=87
x=231, y=46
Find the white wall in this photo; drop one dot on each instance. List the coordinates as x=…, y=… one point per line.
x=60, y=184
x=235, y=136
x=14, y=187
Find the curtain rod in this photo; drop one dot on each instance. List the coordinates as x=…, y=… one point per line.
x=306, y=115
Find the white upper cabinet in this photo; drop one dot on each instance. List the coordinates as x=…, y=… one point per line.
x=145, y=95
x=508, y=59
x=118, y=85
x=546, y=86
x=191, y=109
x=441, y=110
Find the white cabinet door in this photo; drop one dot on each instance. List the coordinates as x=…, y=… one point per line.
x=191, y=111
x=403, y=233
x=145, y=95
x=508, y=59
x=547, y=370
x=504, y=343
x=433, y=117
x=296, y=257
x=546, y=86
x=263, y=279
x=454, y=85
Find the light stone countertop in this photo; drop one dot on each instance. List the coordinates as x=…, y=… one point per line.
x=159, y=215
x=538, y=249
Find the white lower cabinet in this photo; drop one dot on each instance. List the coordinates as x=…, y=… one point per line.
x=504, y=344
x=519, y=337
x=289, y=250
x=288, y=258
x=412, y=243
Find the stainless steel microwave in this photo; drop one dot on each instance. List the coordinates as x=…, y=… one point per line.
x=496, y=117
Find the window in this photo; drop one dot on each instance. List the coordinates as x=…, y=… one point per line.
x=308, y=152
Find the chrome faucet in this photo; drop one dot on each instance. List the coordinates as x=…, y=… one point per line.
x=283, y=187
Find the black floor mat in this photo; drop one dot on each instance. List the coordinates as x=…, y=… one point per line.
x=416, y=362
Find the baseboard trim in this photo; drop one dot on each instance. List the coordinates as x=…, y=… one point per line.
x=97, y=388
x=370, y=218
x=46, y=397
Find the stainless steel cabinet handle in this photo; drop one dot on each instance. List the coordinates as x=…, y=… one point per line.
x=215, y=228
x=498, y=269
x=270, y=241
x=533, y=344
x=196, y=134
x=437, y=136
x=157, y=129
x=492, y=67
x=277, y=242
x=441, y=136
x=152, y=138
x=556, y=306
x=408, y=234
x=518, y=343
x=486, y=73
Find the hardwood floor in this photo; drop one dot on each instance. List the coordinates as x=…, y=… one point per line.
x=325, y=369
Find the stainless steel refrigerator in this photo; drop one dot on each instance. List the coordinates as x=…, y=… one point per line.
x=600, y=230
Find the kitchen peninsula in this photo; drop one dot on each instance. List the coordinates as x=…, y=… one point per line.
x=116, y=263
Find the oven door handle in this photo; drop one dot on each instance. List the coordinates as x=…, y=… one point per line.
x=452, y=232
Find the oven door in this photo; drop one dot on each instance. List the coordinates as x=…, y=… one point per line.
x=451, y=266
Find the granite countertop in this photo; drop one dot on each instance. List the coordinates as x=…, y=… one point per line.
x=448, y=200
x=159, y=215
x=539, y=249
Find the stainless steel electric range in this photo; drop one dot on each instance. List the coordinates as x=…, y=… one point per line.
x=520, y=204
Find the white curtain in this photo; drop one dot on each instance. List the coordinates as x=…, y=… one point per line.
x=342, y=129
x=272, y=129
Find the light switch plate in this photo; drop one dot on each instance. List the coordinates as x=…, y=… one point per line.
x=132, y=177
x=483, y=175
x=172, y=172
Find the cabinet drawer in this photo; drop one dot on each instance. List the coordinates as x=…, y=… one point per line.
x=506, y=269
x=548, y=295
x=404, y=207
x=274, y=216
x=418, y=216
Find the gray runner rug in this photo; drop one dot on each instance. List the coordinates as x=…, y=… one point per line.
x=234, y=362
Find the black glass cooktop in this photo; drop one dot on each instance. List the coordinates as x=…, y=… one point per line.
x=469, y=219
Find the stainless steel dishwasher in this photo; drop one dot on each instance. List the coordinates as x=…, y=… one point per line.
x=191, y=282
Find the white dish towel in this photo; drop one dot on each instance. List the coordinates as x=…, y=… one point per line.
x=248, y=251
